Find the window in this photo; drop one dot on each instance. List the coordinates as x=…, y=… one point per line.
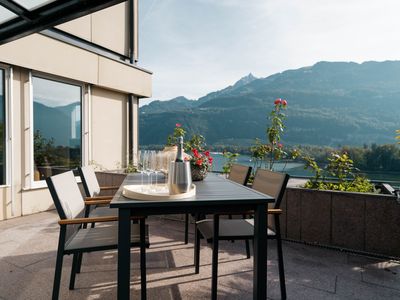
x=2, y=128
x=56, y=127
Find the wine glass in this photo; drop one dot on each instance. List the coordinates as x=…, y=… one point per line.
x=158, y=165
x=141, y=162
x=152, y=165
x=146, y=167
x=139, y=166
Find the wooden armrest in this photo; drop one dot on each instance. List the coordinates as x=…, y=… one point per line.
x=97, y=202
x=99, y=198
x=274, y=211
x=87, y=220
x=92, y=220
x=105, y=188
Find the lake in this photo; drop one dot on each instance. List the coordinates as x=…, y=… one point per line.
x=296, y=169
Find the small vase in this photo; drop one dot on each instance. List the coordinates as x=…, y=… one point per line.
x=198, y=174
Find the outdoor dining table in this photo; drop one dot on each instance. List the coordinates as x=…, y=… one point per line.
x=214, y=195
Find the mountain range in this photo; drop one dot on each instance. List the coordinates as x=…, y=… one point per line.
x=58, y=123
x=329, y=104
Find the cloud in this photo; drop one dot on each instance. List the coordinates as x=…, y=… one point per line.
x=195, y=47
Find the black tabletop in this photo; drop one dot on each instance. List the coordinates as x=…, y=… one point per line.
x=213, y=190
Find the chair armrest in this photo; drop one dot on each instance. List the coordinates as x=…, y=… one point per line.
x=87, y=220
x=99, y=198
x=97, y=202
x=106, y=188
x=274, y=211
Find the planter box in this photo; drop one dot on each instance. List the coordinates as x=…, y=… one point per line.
x=110, y=178
x=356, y=221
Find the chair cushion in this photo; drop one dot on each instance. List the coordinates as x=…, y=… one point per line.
x=270, y=232
x=102, y=238
x=67, y=194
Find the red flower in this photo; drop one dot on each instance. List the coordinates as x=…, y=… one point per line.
x=178, y=125
x=278, y=101
x=284, y=102
x=280, y=145
x=196, y=153
x=207, y=153
x=199, y=162
x=210, y=160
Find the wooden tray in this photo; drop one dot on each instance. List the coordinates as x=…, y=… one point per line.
x=139, y=192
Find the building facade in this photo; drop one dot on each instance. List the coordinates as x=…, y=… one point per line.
x=68, y=97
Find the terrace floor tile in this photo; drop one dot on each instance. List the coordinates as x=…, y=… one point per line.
x=28, y=254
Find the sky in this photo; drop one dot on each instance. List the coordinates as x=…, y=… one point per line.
x=53, y=93
x=195, y=47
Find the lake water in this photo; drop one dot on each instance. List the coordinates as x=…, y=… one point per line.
x=297, y=169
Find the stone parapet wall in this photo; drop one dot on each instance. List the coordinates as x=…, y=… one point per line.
x=356, y=221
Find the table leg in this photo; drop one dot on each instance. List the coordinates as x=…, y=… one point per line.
x=214, y=276
x=260, y=253
x=124, y=253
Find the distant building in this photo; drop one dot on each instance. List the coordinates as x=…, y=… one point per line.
x=66, y=97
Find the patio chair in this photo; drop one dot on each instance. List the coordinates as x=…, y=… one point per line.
x=92, y=191
x=239, y=174
x=91, y=185
x=267, y=182
x=74, y=239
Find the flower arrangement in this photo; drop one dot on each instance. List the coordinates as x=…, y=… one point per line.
x=200, y=159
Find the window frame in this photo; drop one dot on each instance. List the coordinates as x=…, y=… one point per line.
x=8, y=75
x=84, y=95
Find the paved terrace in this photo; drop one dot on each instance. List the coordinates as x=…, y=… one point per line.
x=28, y=251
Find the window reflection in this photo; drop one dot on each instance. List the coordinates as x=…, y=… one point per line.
x=57, y=127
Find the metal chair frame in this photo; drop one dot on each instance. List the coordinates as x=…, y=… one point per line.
x=246, y=170
x=75, y=240
x=211, y=230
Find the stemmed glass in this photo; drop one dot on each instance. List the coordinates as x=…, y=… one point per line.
x=140, y=165
x=158, y=164
x=146, y=165
x=150, y=167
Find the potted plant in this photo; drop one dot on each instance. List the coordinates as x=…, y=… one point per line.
x=200, y=159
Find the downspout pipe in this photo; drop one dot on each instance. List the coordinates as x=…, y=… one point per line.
x=132, y=61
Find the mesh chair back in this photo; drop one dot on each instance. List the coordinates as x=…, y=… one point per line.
x=66, y=195
x=239, y=174
x=89, y=181
x=271, y=183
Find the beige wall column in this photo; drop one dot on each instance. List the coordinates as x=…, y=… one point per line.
x=15, y=107
x=109, y=128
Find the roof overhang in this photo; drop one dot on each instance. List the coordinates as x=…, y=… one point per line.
x=20, y=18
